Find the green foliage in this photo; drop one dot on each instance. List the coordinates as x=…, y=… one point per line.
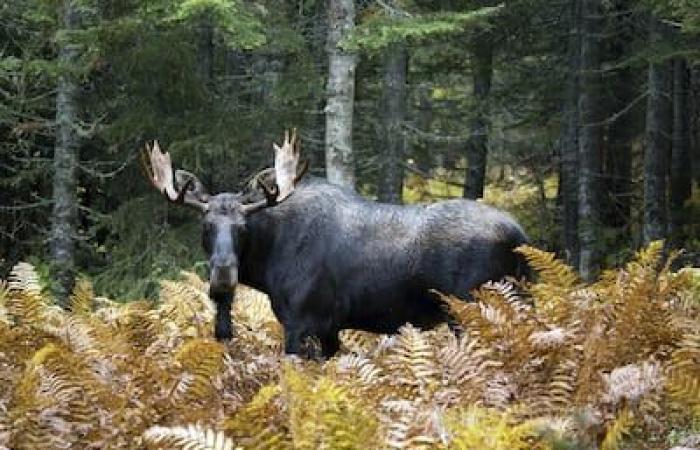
x=380, y=30
x=234, y=19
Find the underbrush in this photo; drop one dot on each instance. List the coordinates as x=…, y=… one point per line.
x=557, y=365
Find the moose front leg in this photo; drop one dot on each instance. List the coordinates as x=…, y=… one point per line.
x=222, y=326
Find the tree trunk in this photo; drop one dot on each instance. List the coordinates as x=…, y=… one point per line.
x=681, y=163
x=622, y=91
x=394, y=106
x=66, y=154
x=341, y=95
x=618, y=157
x=478, y=140
x=568, y=179
x=656, y=151
x=589, y=141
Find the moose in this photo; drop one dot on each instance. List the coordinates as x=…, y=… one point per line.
x=330, y=259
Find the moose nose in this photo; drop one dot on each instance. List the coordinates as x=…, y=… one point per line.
x=223, y=278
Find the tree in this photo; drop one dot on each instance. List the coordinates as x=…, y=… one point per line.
x=66, y=156
x=482, y=72
x=340, y=94
x=681, y=162
x=568, y=173
x=589, y=139
x=657, y=145
x=394, y=111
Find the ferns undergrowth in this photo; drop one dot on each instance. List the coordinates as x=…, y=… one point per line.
x=557, y=364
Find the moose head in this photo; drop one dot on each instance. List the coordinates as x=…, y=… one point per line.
x=224, y=215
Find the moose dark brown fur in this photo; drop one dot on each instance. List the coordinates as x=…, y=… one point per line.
x=330, y=259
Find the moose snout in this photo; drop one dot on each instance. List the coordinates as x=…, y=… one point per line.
x=223, y=278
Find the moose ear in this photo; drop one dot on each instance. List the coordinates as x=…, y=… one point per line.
x=195, y=188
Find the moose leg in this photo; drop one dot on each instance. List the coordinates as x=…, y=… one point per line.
x=222, y=327
x=330, y=344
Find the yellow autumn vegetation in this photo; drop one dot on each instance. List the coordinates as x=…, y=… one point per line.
x=557, y=364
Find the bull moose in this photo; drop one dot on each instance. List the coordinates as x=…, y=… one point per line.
x=330, y=259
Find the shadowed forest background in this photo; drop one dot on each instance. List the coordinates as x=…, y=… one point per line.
x=580, y=117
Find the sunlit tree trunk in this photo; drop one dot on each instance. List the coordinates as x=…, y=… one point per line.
x=66, y=154
x=478, y=141
x=340, y=95
x=589, y=141
x=394, y=113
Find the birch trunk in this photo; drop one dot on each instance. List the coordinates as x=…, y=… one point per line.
x=341, y=95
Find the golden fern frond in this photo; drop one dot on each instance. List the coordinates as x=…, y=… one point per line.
x=412, y=360
x=408, y=425
x=479, y=428
x=54, y=404
x=359, y=342
x=617, y=430
x=4, y=297
x=467, y=364
x=262, y=423
x=550, y=270
x=187, y=305
x=359, y=368
x=202, y=362
x=82, y=297
x=683, y=380
x=649, y=256
x=190, y=437
x=24, y=278
x=323, y=414
x=25, y=304
x=139, y=325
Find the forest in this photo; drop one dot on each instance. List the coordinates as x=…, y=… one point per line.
x=581, y=118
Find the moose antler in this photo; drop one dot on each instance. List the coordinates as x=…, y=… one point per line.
x=286, y=171
x=287, y=164
x=159, y=170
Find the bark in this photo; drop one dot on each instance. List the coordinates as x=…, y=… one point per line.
x=341, y=95
x=618, y=155
x=681, y=163
x=394, y=113
x=478, y=140
x=66, y=153
x=568, y=180
x=589, y=141
x=656, y=151
x=622, y=93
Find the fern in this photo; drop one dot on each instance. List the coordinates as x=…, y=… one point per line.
x=412, y=362
x=262, y=423
x=191, y=437
x=25, y=304
x=323, y=414
x=617, y=430
x=201, y=363
x=550, y=271
x=477, y=428
x=82, y=297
